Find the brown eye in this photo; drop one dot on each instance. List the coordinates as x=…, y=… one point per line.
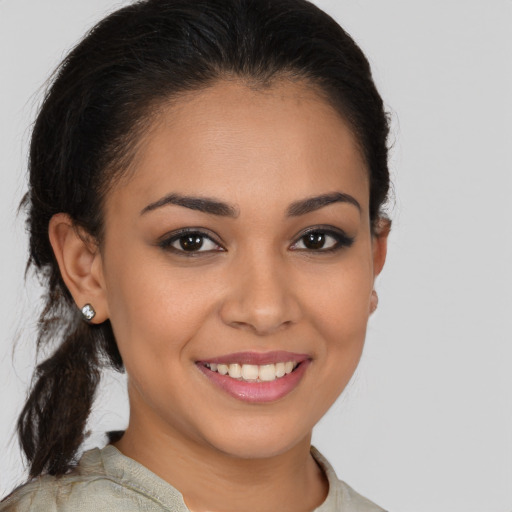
x=314, y=240
x=322, y=240
x=190, y=243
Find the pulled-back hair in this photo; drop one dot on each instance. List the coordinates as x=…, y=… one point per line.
x=98, y=105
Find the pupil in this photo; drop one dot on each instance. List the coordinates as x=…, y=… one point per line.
x=191, y=242
x=314, y=240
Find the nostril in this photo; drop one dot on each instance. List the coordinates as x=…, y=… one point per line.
x=260, y=301
x=261, y=329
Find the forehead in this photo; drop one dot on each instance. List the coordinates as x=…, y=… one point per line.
x=237, y=143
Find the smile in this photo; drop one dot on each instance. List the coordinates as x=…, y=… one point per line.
x=256, y=377
x=253, y=372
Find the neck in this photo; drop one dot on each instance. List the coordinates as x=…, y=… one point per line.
x=211, y=480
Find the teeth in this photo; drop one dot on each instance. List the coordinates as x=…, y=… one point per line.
x=222, y=369
x=235, y=371
x=249, y=372
x=253, y=372
x=267, y=372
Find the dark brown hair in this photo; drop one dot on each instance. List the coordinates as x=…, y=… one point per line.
x=98, y=104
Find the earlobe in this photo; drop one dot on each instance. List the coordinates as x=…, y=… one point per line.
x=374, y=302
x=80, y=264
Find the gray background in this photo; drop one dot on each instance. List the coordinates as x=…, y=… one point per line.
x=426, y=424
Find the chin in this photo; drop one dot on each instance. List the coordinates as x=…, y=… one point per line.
x=256, y=448
x=260, y=440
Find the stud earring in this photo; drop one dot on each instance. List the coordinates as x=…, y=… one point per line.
x=374, y=301
x=88, y=312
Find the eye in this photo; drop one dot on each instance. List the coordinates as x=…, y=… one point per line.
x=190, y=242
x=322, y=240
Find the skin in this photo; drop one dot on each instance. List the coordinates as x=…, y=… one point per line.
x=256, y=287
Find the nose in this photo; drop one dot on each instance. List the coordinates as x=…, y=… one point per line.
x=260, y=297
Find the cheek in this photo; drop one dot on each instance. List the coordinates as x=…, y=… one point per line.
x=155, y=310
x=340, y=300
x=339, y=311
x=153, y=319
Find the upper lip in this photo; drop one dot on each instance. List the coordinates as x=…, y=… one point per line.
x=257, y=358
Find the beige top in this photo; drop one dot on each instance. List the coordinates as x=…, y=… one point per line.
x=107, y=480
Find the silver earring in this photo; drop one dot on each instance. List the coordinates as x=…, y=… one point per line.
x=88, y=312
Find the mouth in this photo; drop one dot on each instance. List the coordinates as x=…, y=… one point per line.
x=254, y=372
x=254, y=377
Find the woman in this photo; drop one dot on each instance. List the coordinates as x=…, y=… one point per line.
x=206, y=188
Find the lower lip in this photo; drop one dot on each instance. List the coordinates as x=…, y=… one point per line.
x=257, y=392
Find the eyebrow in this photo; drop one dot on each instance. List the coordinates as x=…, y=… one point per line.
x=215, y=207
x=315, y=203
x=201, y=204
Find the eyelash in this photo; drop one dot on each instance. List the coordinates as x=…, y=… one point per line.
x=341, y=240
x=166, y=242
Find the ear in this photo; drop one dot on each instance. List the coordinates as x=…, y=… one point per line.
x=380, y=249
x=380, y=245
x=80, y=264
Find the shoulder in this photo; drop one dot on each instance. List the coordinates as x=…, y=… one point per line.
x=99, y=482
x=353, y=501
x=341, y=496
x=61, y=494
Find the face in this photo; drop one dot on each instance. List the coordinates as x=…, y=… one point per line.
x=241, y=243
